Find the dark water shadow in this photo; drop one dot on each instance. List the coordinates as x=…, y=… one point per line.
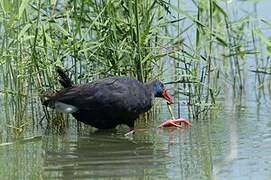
x=100, y=155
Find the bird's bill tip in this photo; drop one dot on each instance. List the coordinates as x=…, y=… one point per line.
x=167, y=96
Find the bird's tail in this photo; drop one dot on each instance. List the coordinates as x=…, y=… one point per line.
x=64, y=79
x=46, y=98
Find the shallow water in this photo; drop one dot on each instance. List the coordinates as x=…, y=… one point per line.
x=233, y=143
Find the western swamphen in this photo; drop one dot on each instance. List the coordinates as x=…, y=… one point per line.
x=108, y=102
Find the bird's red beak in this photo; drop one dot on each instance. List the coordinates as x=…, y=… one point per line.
x=167, y=96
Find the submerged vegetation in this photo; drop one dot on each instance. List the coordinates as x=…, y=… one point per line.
x=198, y=46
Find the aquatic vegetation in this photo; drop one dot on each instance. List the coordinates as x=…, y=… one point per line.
x=197, y=51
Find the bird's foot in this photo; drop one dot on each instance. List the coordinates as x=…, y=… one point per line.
x=131, y=132
x=176, y=123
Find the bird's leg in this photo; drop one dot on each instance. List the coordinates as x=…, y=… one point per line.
x=131, y=125
x=131, y=132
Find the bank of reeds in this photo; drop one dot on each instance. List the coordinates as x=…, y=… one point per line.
x=138, y=38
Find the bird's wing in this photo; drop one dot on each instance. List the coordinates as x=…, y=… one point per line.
x=101, y=95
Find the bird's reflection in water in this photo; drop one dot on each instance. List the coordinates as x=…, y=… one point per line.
x=102, y=154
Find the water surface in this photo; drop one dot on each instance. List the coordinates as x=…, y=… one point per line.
x=233, y=143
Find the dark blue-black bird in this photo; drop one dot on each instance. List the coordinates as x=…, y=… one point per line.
x=108, y=102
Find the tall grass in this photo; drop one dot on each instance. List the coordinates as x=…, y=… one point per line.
x=137, y=38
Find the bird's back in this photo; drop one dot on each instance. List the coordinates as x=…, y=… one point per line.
x=107, y=102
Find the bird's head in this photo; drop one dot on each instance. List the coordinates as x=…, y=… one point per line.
x=159, y=90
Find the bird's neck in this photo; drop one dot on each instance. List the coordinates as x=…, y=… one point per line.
x=151, y=90
x=150, y=87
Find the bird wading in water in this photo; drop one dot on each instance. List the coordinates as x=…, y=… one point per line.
x=106, y=103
